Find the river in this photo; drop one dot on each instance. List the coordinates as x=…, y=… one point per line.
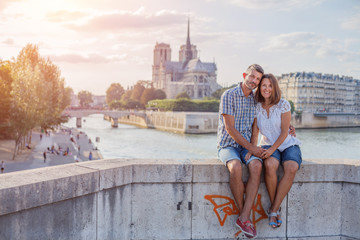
x=128, y=141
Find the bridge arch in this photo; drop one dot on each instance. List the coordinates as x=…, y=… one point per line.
x=113, y=115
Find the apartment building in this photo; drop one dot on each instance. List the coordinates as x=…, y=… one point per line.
x=316, y=92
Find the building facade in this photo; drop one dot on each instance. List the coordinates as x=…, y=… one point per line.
x=189, y=74
x=316, y=92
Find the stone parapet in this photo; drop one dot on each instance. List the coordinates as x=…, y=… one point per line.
x=164, y=199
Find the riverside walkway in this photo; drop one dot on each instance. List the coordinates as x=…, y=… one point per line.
x=36, y=159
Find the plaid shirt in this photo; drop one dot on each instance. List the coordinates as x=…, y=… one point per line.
x=233, y=102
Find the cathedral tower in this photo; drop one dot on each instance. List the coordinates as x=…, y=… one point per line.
x=162, y=53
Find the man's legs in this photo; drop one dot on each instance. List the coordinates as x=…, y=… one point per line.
x=236, y=183
x=252, y=187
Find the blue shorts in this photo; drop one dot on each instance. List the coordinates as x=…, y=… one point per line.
x=230, y=153
x=292, y=153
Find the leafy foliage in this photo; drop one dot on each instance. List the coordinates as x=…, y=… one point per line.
x=136, y=97
x=184, y=104
x=182, y=95
x=217, y=94
x=32, y=94
x=114, y=93
x=85, y=98
x=292, y=105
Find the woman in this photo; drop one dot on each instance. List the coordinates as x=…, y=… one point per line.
x=273, y=120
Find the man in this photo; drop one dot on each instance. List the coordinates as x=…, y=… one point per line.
x=237, y=112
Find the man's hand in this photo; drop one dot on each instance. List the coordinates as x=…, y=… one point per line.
x=247, y=156
x=292, y=131
x=256, y=151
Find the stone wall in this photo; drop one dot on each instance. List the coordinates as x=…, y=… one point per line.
x=149, y=199
x=183, y=122
x=207, y=122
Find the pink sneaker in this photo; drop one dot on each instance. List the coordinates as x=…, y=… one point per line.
x=247, y=228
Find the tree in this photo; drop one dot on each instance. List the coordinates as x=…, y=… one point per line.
x=66, y=101
x=5, y=96
x=114, y=92
x=85, y=98
x=116, y=104
x=137, y=91
x=126, y=96
x=217, y=94
x=160, y=94
x=151, y=94
x=37, y=96
x=292, y=106
x=183, y=95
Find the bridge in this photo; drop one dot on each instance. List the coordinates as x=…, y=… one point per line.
x=113, y=115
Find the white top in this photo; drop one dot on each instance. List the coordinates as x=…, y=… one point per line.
x=270, y=128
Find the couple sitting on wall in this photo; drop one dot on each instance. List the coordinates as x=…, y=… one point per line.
x=243, y=114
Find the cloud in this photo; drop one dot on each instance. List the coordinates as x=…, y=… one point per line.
x=5, y=3
x=8, y=41
x=297, y=41
x=64, y=16
x=120, y=20
x=352, y=23
x=309, y=42
x=275, y=4
x=91, y=58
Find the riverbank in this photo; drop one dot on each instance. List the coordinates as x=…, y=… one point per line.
x=64, y=150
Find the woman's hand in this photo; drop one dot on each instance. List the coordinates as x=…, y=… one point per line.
x=267, y=153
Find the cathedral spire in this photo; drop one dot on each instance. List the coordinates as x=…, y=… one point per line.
x=189, y=54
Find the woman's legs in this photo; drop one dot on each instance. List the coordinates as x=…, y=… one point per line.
x=271, y=165
x=290, y=169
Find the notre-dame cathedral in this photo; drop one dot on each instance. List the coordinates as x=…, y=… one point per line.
x=189, y=74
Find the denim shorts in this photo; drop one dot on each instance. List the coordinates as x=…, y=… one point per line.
x=230, y=153
x=292, y=153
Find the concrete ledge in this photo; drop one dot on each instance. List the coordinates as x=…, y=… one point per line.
x=32, y=188
x=163, y=199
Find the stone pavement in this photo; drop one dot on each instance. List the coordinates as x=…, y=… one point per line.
x=59, y=138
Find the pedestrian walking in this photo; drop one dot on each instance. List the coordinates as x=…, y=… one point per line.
x=90, y=156
x=2, y=166
x=44, y=154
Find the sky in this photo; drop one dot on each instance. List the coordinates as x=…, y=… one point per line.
x=96, y=43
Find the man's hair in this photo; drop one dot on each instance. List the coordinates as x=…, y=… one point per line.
x=255, y=67
x=276, y=92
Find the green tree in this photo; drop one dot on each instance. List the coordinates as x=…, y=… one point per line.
x=183, y=95
x=114, y=92
x=292, y=106
x=160, y=94
x=217, y=94
x=85, y=98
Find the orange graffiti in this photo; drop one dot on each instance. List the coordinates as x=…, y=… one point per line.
x=228, y=207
